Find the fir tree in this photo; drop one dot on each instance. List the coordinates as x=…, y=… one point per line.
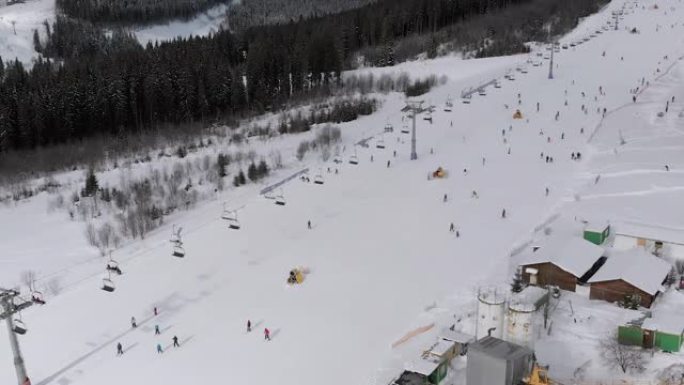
x=91, y=184
x=518, y=284
x=252, y=172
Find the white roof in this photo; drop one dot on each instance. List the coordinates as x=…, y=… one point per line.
x=423, y=366
x=572, y=254
x=596, y=226
x=652, y=232
x=441, y=347
x=668, y=316
x=527, y=299
x=636, y=267
x=461, y=338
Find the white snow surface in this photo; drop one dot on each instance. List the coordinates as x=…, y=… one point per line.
x=637, y=267
x=382, y=261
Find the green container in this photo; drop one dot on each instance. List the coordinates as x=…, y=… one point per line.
x=668, y=342
x=438, y=375
x=630, y=335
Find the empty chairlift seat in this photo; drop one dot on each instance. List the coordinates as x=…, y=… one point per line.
x=108, y=285
x=19, y=327
x=178, y=251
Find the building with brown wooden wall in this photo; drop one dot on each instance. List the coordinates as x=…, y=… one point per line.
x=632, y=272
x=562, y=262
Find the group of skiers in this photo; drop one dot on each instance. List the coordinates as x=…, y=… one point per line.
x=157, y=331
x=267, y=333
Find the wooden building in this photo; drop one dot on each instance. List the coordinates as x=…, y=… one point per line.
x=562, y=262
x=630, y=273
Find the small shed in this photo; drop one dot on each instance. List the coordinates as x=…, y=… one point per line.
x=668, y=331
x=633, y=272
x=492, y=361
x=458, y=340
x=432, y=370
x=596, y=232
x=562, y=261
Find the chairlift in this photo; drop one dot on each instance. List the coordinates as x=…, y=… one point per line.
x=511, y=77
x=497, y=84
x=523, y=70
x=318, y=179
x=482, y=92
x=176, y=235
x=280, y=200
x=354, y=159
x=380, y=144
x=113, y=265
x=448, y=105
x=37, y=298
x=466, y=99
x=19, y=327
x=178, y=251
x=405, y=129
x=389, y=127
x=428, y=116
x=108, y=284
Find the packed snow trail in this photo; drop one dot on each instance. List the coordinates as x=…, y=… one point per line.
x=380, y=250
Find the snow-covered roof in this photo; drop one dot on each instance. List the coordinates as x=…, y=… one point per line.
x=596, y=226
x=423, y=366
x=528, y=299
x=572, y=254
x=652, y=232
x=459, y=337
x=668, y=315
x=636, y=267
x=500, y=349
x=441, y=347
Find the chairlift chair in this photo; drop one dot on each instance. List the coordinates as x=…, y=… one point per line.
x=466, y=99
x=108, y=285
x=354, y=159
x=178, y=251
x=482, y=92
x=497, y=84
x=19, y=327
x=389, y=127
x=318, y=179
x=280, y=200
x=380, y=144
x=113, y=265
x=37, y=297
x=405, y=129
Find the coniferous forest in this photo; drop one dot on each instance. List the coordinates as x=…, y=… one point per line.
x=91, y=84
x=133, y=11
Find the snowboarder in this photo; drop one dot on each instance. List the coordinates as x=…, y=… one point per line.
x=175, y=342
x=267, y=334
x=156, y=330
x=308, y=224
x=134, y=323
x=249, y=326
x=119, y=349
x=159, y=349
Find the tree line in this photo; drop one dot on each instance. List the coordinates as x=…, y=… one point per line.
x=91, y=84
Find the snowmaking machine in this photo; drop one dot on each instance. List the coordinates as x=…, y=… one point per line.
x=297, y=275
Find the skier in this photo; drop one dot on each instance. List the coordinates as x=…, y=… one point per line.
x=582, y=130
x=309, y=224
x=634, y=99
x=155, y=311
x=557, y=114
x=537, y=106
x=474, y=195
x=119, y=349
x=249, y=326
x=667, y=168
x=156, y=330
x=445, y=198
x=451, y=227
x=458, y=234
x=175, y=342
x=134, y=323
x=388, y=164
x=484, y=160
x=562, y=135
x=503, y=213
x=267, y=334
x=159, y=349
x=371, y=158
x=547, y=191
x=395, y=153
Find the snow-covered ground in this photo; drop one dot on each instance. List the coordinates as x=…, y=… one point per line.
x=18, y=21
x=382, y=260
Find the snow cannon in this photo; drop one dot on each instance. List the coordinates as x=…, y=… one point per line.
x=297, y=275
x=517, y=115
x=439, y=173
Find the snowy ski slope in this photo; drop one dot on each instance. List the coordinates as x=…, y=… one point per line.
x=380, y=252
